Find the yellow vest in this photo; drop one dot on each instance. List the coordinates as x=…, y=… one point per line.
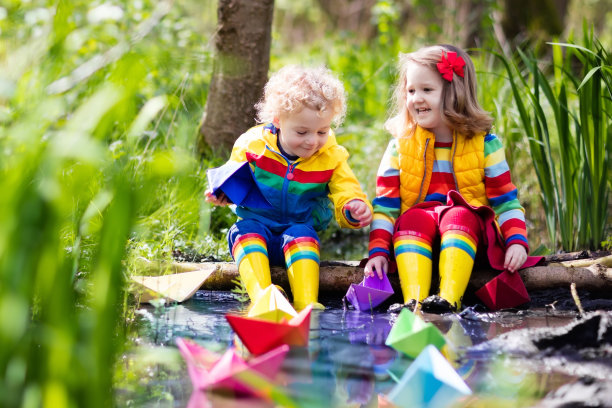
x=416, y=158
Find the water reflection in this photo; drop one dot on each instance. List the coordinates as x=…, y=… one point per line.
x=346, y=364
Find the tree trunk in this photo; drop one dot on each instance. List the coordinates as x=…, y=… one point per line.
x=524, y=19
x=350, y=15
x=240, y=71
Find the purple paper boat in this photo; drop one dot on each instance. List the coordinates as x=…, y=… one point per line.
x=208, y=370
x=369, y=293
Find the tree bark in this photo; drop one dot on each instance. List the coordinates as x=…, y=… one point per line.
x=240, y=71
x=524, y=19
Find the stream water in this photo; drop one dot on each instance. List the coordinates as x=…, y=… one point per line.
x=346, y=363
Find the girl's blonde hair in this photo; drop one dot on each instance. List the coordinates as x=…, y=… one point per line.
x=294, y=87
x=460, y=108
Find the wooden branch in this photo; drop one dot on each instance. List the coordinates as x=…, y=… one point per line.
x=337, y=276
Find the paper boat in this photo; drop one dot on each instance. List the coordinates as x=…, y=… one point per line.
x=236, y=180
x=209, y=371
x=504, y=291
x=177, y=287
x=410, y=334
x=429, y=382
x=260, y=336
x=370, y=293
x=271, y=305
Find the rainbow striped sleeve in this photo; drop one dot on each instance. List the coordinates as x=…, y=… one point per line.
x=386, y=204
x=502, y=194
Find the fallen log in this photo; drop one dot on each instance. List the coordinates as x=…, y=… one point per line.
x=593, y=274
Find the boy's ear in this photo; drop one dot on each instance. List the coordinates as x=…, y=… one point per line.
x=276, y=122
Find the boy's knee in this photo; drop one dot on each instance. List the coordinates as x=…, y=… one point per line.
x=244, y=227
x=299, y=231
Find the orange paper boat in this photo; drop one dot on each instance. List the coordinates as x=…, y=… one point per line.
x=260, y=336
x=208, y=370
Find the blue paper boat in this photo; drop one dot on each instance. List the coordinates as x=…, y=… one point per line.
x=236, y=180
x=369, y=293
x=429, y=382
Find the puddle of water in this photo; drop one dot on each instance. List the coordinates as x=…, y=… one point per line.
x=345, y=365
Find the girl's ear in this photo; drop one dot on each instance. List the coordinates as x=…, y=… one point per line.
x=276, y=122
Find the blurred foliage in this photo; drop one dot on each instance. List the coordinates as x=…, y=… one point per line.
x=98, y=104
x=99, y=107
x=568, y=119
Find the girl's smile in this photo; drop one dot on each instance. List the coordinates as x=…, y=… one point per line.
x=424, y=99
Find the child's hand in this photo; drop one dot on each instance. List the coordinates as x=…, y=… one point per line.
x=378, y=264
x=360, y=211
x=516, y=255
x=220, y=200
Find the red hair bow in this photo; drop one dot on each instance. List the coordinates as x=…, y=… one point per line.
x=449, y=64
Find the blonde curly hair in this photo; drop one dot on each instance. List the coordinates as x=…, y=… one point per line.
x=294, y=87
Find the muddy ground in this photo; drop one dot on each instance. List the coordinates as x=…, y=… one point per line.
x=581, y=348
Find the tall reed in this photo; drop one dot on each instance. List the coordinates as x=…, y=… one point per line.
x=566, y=115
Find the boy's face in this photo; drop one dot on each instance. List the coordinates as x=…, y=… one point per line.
x=304, y=132
x=424, y=98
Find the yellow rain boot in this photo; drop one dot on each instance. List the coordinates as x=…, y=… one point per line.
x=251, y=255
x=457, y=252
x=302, y=259
x=413, y=257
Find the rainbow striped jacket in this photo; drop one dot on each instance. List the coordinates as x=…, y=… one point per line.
x=300, y=192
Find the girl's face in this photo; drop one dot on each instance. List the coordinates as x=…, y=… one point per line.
x=424, y=99
x=304, y=132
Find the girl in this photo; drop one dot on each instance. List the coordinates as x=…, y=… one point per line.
x=439, y=178
x=299, y=167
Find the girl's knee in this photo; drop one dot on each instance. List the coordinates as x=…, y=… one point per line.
x=418, y=220
x=461, y=218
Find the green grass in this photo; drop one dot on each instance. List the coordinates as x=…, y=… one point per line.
x=567, y=121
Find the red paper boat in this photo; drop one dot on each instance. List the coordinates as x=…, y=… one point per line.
x=504, y=291
x=208, y=370
x=370, y=293
x=260, y=336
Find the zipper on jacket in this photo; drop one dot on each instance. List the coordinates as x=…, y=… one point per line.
x=424, y=171
x=288, y=177
x=453, y=162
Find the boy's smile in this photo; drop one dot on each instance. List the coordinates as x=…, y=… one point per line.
x=304, y=132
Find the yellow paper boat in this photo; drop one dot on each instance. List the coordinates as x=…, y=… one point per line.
x=176, y=287
x=272, y=305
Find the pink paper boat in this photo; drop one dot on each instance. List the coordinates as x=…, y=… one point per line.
x=208, y=370
x=370, y=293
x=504, y=291
x=260, y=336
